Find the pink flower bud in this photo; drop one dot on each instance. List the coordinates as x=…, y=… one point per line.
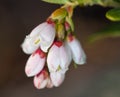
x=35, y=63
x=41, y=80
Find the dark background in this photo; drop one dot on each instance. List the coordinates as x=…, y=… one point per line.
x=100, y=77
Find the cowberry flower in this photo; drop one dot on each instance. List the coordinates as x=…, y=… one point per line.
x=43, y=35
x=78, y=54
x=47, y=35
x=42, y=80
x=57, y=57
x=58, y=61
x=52, y=47
x=35, y=63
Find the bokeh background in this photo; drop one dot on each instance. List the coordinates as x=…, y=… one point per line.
x=100, y=77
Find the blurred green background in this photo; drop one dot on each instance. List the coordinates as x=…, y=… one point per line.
x=100, y=77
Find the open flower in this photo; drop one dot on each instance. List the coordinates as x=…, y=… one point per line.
x=35, y=63
x=43, y=35
x=78, y=54
x=57, y=57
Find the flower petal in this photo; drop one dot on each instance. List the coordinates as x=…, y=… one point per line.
x=78, y=54
x=53, y=59
x=83, y=58
x=29, y=45
x=69, y=53
x=41, y=80
x=47, y=36
x=57, y=78
x=64, y=61
x=31, y=42
x=34, y=65
x=36, y=31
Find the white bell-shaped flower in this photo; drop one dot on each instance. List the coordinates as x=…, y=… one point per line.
x=43, y=35
x=78, y=54
x=35, y=63
x=57, y=57
x=47, y=36
x=32, y=41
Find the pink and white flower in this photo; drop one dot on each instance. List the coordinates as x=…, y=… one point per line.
x=78, y=54
x=35, y=63
x=43, y=35
x=41, y=80
x=57, y=57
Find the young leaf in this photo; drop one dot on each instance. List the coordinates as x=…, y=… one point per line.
x=56, y=1
x=113, y=14
x=112, y=30
x=59, y=14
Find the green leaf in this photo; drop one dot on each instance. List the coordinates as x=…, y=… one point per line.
x=117, y=1
x=112, y=30
x=56, y=1
x=113, y=14
x=85, y=2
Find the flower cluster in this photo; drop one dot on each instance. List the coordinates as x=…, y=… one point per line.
x=52, y=46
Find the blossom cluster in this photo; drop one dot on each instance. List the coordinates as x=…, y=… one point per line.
x=52, y=46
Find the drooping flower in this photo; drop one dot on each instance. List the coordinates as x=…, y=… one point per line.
x=47, y=36
x=78, y=54
x=41, y=80
x=35, y=63
x=57, y=77
x=43, y=35
x=57, y=57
